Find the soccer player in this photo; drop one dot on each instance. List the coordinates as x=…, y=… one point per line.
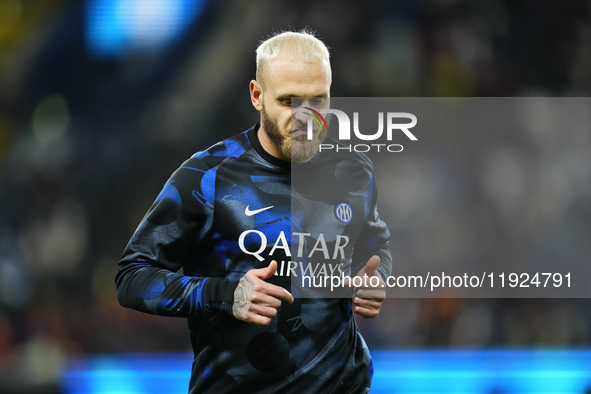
x=245, y=219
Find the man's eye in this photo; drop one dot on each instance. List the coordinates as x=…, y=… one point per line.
x=320, y=102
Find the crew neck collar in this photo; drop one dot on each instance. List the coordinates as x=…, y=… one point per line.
x=284, y=164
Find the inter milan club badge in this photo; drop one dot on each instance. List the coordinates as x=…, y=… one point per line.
x=343, y=212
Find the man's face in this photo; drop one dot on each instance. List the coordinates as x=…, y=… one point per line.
x=288, y=87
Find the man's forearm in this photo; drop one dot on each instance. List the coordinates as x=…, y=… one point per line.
x=157, y=291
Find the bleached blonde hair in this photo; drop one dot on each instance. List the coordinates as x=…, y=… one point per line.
x=300, y=46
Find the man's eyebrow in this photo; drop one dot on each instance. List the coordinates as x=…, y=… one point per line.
x=289, y=95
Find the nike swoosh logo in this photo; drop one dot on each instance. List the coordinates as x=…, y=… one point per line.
x=248, y=212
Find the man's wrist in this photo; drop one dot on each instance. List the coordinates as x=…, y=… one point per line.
x=218, y=296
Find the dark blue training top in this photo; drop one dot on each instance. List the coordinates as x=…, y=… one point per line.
x=232, y=208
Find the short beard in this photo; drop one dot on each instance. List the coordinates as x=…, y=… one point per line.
x=299, y=149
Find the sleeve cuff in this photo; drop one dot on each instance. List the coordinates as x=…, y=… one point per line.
x=218, y=296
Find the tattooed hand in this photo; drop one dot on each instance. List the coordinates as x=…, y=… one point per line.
x=256, y=301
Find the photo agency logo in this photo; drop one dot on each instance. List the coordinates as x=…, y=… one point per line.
x=371, y=142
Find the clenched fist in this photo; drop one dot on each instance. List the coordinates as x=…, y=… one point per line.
x=256, y=301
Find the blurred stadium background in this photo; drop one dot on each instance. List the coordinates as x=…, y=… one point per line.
x=100, y=100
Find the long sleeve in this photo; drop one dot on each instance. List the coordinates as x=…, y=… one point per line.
x=167, y=237
x=374, y=237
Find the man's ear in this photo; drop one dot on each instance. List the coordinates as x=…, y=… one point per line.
x=256, y=95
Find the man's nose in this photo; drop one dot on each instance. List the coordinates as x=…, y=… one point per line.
x=299, y=114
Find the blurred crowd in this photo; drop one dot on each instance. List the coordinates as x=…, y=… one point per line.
x=87, y=143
